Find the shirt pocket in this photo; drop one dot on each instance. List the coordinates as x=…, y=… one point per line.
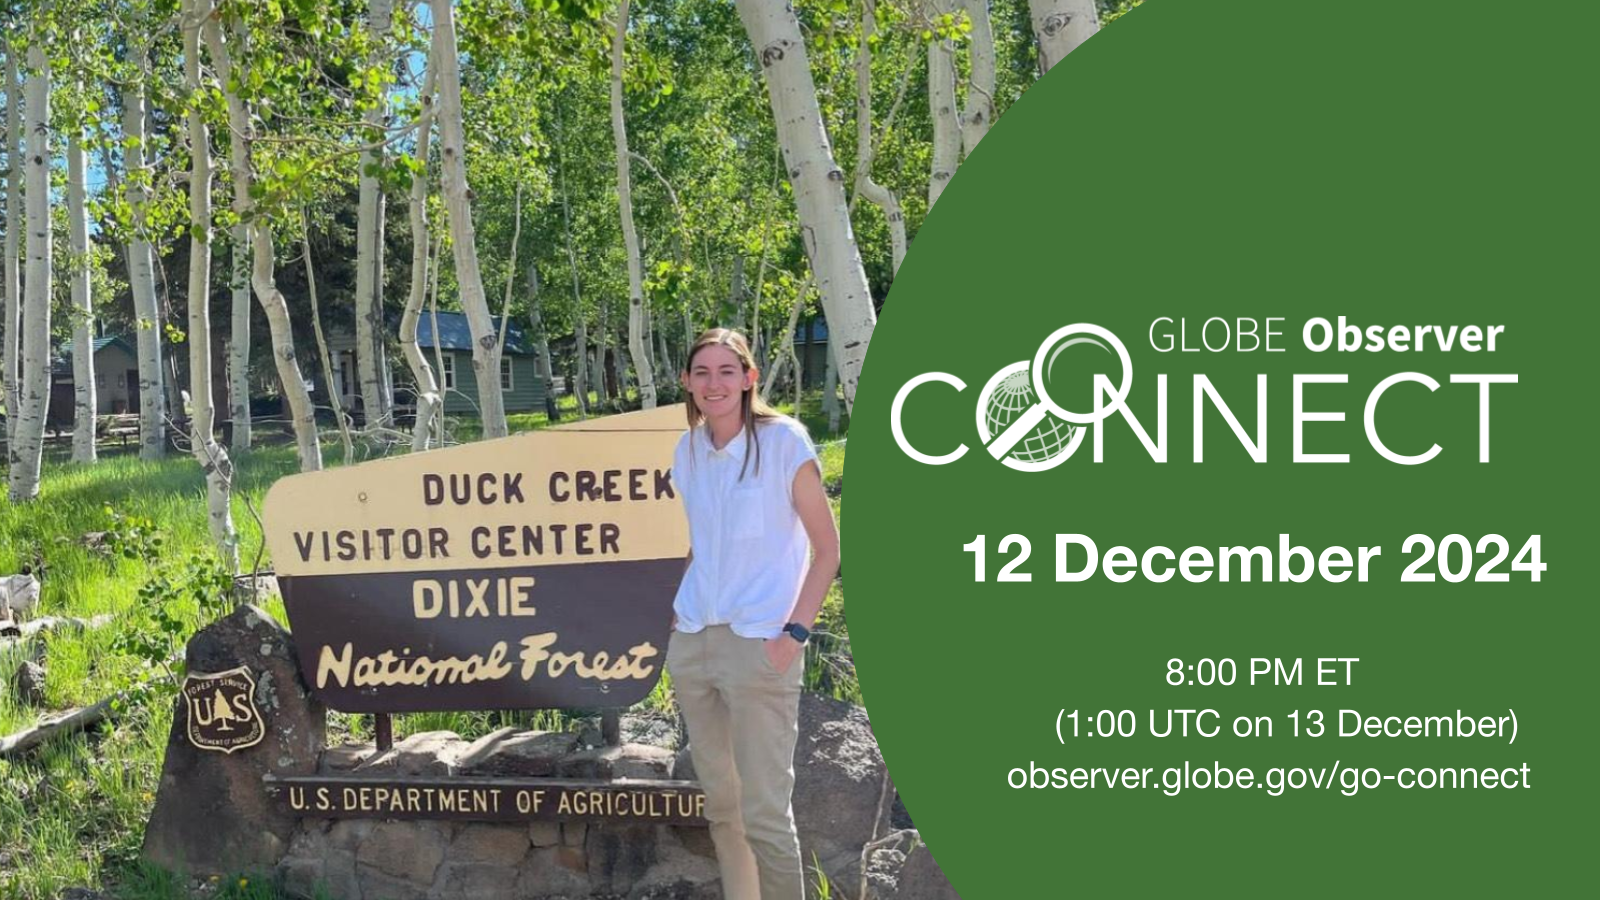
x=747, y=513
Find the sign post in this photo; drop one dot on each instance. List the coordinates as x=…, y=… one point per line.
x=535, y=571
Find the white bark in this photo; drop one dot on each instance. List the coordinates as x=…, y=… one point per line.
x=830, y=392
x=27, y=447
x=141, y=266
x=302, y=412
x=430, y=402
x=369, y=232
x=666, y=352
x=875, y=193
x=322, y=342
x=438, y=352
x=511, y=276
x=83, y=450
x=580, y=365
x=239, y=340
x=453, y=147
x=946, y=125
x=818, y=183
x=212, y=457
x=637, y=349
x=239, y=275
x=541, y=345
x=785, y=355
x=12, y=324
x=977, y=114
x=1060, y=26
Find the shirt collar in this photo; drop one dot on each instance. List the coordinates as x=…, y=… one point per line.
x=735, y=448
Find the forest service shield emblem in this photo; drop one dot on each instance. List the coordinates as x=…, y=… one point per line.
x=222, y=712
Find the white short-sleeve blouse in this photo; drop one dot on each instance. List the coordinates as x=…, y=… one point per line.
x=750, y=550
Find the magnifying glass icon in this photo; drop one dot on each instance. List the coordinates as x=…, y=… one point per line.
x=1059, y=340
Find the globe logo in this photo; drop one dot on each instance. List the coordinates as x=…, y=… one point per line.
x=1022, y=426
x=1010, y=399
x=1045, y=442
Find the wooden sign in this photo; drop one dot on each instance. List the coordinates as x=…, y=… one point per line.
x=222, y=713
x=656, y=802
x=535, y=571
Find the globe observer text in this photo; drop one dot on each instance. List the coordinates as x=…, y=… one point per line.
x=1025, y=430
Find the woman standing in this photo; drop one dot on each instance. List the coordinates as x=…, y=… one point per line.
x=763, y=551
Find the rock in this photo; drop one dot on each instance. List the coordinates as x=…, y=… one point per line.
x=28, y=683
x=19, y=593
x=655, y=729
x=550, y=872
x=475, y=881
x=330, y=874
x=426, y=753
x=479, y=842
x=211, y=813
x=904, y=869
x=678, y=873
x=626, y=761
x=544, y=834
x=512, y=753
x=408, y=851
x=344, y=757
x=839, y=782
x=619, y=856
x=81, y=893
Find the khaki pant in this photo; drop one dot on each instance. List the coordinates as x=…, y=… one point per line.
x=743, y=719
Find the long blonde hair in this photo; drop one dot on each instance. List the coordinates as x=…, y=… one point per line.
x=752, y=409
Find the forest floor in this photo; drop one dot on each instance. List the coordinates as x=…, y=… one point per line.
x=124, y=537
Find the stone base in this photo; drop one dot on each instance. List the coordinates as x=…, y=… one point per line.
x=364, y=859
x=842, y=801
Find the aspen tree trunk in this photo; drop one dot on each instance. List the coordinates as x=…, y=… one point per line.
x=83, y=431
x=302, y=411
x=637, y=349
x=830, y=392
x=239, y=435
x=666, y=353
x=874, y=192
x=580, y=365
x=453, y=146
x=212, y=457
x=430, y=402
x=334, y=399
x=296, y=392
x=604, y=393
x=818, y=183
x=785, y=354
x=737, y=296
x=141, y=266
x=13, y=286
x=369, y=231
x=27, y=448
x=541, y=345
x=946, y=125
x=1060, y=26
x=511, y=276
x=239, y=273
x=438, y=351
x=977, y=114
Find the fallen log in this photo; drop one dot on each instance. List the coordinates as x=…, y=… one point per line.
x=71, y=721
x=11, y=632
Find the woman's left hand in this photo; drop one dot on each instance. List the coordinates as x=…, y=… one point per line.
x=781, y=652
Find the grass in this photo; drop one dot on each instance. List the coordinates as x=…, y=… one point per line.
x=73, y=813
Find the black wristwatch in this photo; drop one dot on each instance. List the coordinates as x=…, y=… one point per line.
x=797, y=631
